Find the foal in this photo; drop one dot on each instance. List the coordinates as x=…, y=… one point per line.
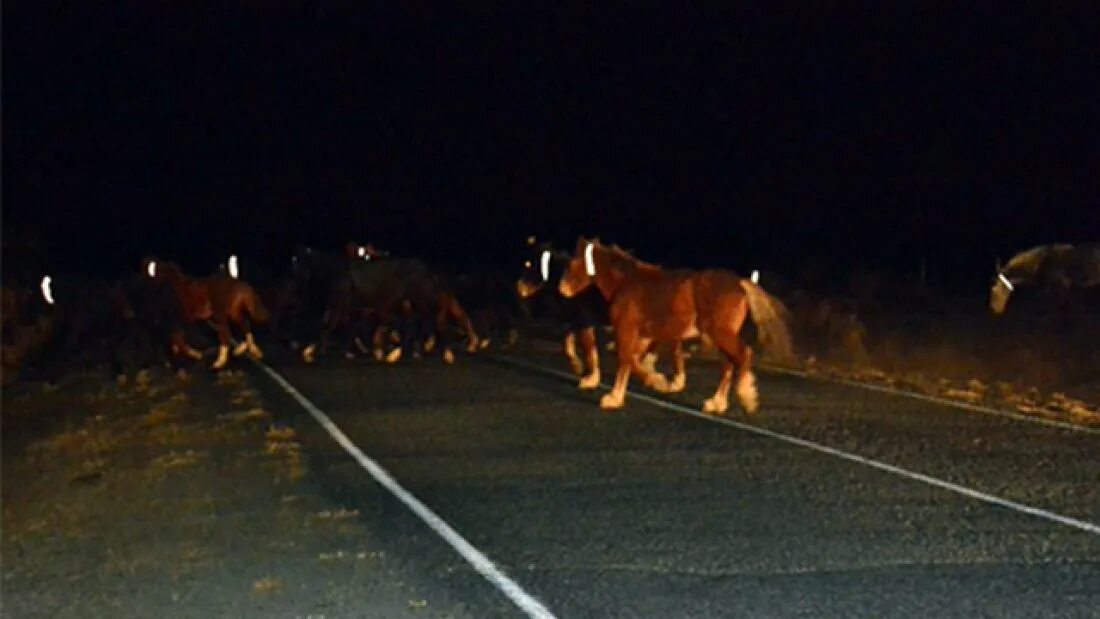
x=649, y=304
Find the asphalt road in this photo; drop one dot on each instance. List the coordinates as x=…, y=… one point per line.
x=649, y=512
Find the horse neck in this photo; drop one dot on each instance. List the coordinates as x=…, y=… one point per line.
x=175, y=277
x=611, y=271
x=1027, y=269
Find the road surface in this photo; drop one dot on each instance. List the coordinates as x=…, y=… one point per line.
x=651, y=512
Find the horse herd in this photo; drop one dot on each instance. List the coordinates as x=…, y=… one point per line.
x=363, y=301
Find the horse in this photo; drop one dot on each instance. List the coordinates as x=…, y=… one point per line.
x=1059, y=265
x=488, y=297
x=218, y=298
x=651, y=304
x=374, y=289
x=579, y=314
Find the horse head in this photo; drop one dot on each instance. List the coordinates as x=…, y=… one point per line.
x=999, y=292
x=536, y=268
x=581, y=272
x=158, y=271
x=367, y=252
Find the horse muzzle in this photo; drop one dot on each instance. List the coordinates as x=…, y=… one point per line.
x=525, y=289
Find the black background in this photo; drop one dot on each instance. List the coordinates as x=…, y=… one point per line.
x=872, y=137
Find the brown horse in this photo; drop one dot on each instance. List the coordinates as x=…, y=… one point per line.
x=218, y=298
x=649, y=304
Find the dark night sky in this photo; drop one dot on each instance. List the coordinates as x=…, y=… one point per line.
x=728, y=138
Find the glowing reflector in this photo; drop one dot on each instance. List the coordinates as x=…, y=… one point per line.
x=755, y=277
x=47, y=289
x=589, y=260
x=1004, y=280
x=151, y=268
x=544, y=265
x=234, y=270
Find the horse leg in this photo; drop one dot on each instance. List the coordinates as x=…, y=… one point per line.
x=626, y=347
x=569, y=346
x=441, y=334
x=309, y=351
x=459, y=316
x=679, y=380
x=592, y=354
x=222, y=323
x=736, y=357
x=403, y=332
x=181, y=347
x=643, y=366
x=243, y=326
x=249, y=340
x=378, y=339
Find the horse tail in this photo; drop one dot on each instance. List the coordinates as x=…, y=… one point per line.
x=770, y=317
x=256, y=309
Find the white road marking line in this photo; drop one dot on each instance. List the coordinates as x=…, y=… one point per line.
x=1065, y=425
x=1088, y=527
x=527, y=603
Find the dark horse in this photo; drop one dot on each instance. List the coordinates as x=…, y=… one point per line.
x=1060, y=265
x=382, y=292
x=650, y=304
x=579, y=314
x=219, y=299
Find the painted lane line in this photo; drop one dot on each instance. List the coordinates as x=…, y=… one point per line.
x=1083, y=525
x=484, y=566
x=1064, y=425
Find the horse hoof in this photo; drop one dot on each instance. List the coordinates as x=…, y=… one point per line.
x=484, y=345
x=429, y=344
x=448, y=356
x=610, y=402
x=715, y=406
x=255, y=353
x=240, y=349
x=349, y=355
x=378, y=356
x=471, y=347
x=589, y=382
x=394, y=356
x=307, y=353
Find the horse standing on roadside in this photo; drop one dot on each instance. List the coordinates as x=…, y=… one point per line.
x=1061, y=266
x=651, y=304
x=218, y=298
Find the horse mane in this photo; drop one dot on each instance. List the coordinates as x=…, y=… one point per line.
x=1028, y=260
x=620, y=255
